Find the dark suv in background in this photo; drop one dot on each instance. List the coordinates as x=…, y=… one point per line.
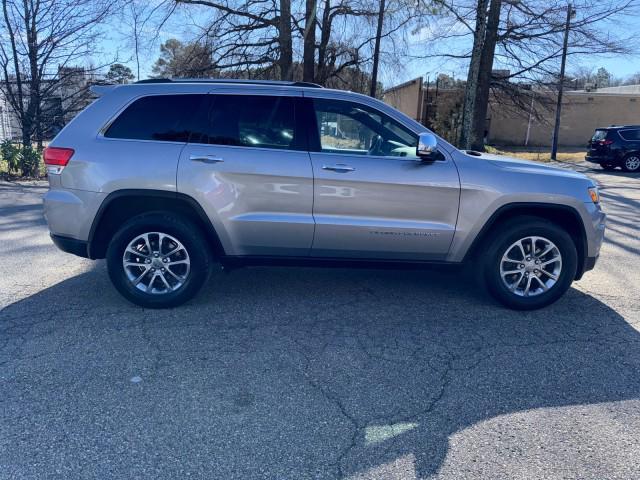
x=616, y=146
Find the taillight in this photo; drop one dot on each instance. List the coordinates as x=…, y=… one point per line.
x=605, y=142
x=56, y=158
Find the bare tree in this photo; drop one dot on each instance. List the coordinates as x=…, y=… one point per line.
x=179, y=59
x=633, y=79
x=479, y=33
x=285, y=41
x=250, y=34
x=477, y=88
x=528, y=44
x=140, y=23
x=138, y=16
x=309, y=41
x=41, y=41
x=376, y=50
x=336, y=39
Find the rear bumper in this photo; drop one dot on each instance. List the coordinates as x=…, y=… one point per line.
x=601, y=160
x=591, y=159
x=70, y=213
x=71, y=245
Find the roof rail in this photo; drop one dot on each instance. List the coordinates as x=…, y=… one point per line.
x=231, y=80
x=307, y=84
x=100, y=90
x=154, y=80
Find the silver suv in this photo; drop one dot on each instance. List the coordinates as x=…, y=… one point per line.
x=163, y=177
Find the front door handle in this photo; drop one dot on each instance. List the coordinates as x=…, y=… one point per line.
x=206, y=158
x=340, y=167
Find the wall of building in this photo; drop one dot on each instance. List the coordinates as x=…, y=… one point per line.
x=69, y=97
x=582, y=113
x=407, y=98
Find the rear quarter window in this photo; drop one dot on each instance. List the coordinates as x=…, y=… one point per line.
x=630, y=134
x=164, y=118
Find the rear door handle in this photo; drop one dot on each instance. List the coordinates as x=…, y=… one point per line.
x=206, y=158
x=340, y=167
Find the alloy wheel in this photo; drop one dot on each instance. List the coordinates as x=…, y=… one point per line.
x=531, y=266
x=156, y=263
x=632, y=163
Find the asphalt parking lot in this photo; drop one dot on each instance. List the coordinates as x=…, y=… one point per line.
x=278, y=373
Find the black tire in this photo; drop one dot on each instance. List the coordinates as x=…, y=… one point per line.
x=627, y=166
x=191, y=238
x=608, y=167
x=509, y=233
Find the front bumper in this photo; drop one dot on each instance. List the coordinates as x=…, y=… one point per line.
x=71, y=245
x=588, y=264
x=595, y=237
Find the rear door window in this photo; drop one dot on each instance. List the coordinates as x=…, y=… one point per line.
x=257, y=121
x=166, y=118
x=630, y=134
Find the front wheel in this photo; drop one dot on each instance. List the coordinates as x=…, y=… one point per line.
x=530, y=264
x=158, y=260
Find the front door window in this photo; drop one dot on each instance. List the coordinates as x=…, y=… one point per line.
x=354, y=129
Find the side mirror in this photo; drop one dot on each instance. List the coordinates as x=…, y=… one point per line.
x=427, y=147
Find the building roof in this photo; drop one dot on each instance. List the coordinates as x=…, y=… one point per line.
x=621, y=90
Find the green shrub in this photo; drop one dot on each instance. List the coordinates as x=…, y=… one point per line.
x=30, y=162
x=11, y=155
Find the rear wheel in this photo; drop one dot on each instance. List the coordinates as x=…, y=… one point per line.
x=530, y=263
x=158, y=260
x=631, y=163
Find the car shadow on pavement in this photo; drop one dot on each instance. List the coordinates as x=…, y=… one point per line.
x=290, y=373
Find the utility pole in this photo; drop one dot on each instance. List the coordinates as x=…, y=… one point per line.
x=556, y=128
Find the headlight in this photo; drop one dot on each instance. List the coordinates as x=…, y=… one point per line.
x=594, y=194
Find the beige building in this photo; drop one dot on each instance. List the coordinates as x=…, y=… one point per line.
x=582, y=113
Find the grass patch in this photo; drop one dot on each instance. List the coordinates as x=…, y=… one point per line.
x=539, y=155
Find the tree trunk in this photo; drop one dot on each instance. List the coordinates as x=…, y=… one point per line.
x=472, y=76
x=285, y=42
x=18, y=104
x=479, y=121
x=34, y=110
x=376, y=51
x=325, y=34
x=26, y=131
x=309, y=54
